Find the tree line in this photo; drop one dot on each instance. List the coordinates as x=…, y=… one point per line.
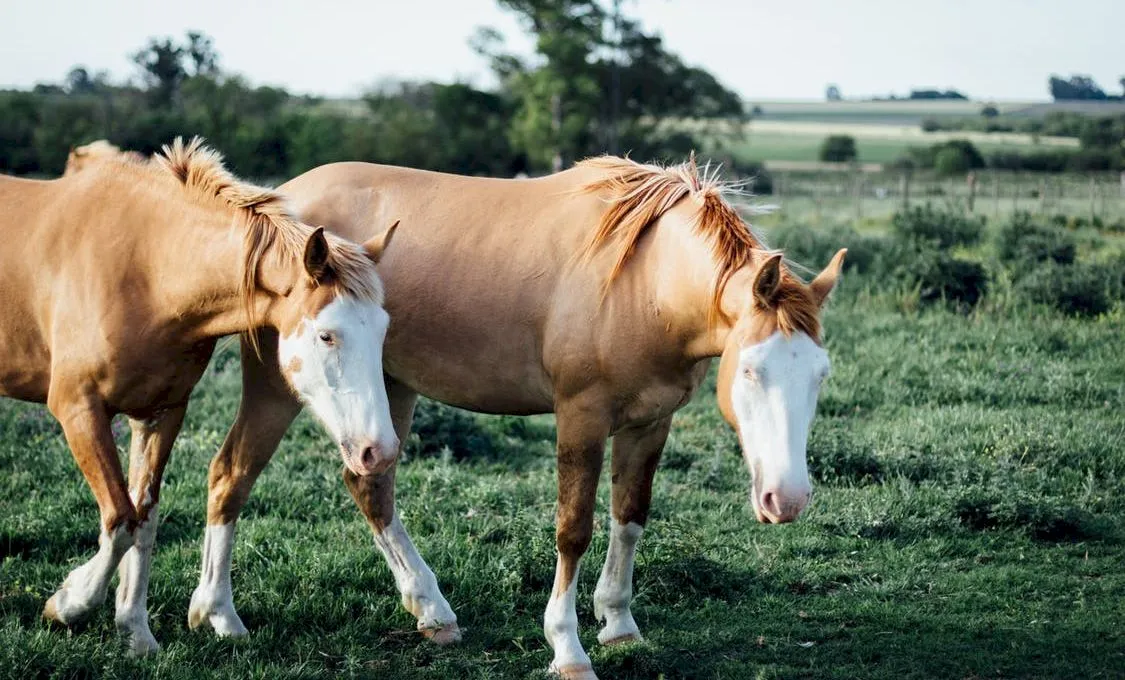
x=597, y=82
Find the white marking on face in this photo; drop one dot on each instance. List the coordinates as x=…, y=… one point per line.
x=213, y=602
x=339, y=375
x=774, y=398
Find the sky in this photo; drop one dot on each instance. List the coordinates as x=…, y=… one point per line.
x=1001, y=50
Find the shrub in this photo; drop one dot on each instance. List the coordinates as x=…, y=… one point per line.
x=1024, y=240
x=815, y=247
x=1079, y=289
x=941, y=276
x=951, y=161
x=942, y=228
x=838, y=149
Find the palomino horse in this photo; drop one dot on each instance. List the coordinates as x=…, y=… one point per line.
x=116, y=284
x=81, y=157
x=600, y=293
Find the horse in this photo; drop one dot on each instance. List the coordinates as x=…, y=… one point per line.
x=96, y=151
x=115, y=285
x=601, y=294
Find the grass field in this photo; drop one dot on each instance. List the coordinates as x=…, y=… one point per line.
x=969, y=522
x=768, y=140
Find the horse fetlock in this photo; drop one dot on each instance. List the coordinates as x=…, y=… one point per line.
x=138, y=636
x=219, y=613
x=619, y=627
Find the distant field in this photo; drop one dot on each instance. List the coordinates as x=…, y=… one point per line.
x=912, y=112
x=767, y=140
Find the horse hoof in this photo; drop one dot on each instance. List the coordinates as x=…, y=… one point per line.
x=576, y=672
x=143, y=645
x=621, y=639
x=61, y=609
x=448, y=634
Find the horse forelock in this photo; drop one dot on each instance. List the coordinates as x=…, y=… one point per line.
x=639, y=194
x=267, y=222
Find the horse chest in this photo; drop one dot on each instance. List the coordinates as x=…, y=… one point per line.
x=142, y=381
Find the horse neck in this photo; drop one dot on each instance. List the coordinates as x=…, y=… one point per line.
x=683, y=270
x=202, y=260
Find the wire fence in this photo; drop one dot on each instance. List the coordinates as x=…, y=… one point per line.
x=875, y=195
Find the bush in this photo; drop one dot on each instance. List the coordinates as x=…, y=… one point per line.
x=1079, y=289
x=1023, y=240
x=940, y=276
x=942, y=228
x=951, y=161
x=838, y=149
x=815, y=247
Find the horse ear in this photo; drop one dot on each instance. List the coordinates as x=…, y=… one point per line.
x=378, y=244
x=316, y=255
x=826, y=280
x=767, y=281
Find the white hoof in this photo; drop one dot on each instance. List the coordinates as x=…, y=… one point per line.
x=69, y=606
x=223, y=620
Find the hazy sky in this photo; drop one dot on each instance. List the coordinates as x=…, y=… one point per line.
x=764, y=49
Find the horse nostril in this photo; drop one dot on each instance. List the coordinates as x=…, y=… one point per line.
x=769, y=503
x=367, y=457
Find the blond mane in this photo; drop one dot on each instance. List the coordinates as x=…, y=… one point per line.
x=268, y=223
x=639, y=194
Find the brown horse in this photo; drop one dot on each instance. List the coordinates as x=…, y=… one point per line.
x=115, y=284
x=600, y=294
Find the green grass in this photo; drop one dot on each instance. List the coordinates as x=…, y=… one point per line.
x=805, y=147
x=969, y=521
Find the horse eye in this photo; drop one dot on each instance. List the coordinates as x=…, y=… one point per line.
x=327, y=338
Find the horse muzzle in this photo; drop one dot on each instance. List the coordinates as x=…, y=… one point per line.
x=369, y=457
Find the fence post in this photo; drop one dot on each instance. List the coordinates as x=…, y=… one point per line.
x=1043, y=195
x=904, y=186
x=858, y=192
x=1093, y=197
x=972, y=182
x=816, y=199
x=995, y=195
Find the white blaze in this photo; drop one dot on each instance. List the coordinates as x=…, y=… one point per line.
x=334, y=361
x=774, y=398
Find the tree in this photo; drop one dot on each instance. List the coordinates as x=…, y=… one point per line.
x=832, y=94
x=78, y=81
x=838, y=149
x=989, y=111
x=1077, y=87
x=162, y=68
x=599, y=81
x=201, y=50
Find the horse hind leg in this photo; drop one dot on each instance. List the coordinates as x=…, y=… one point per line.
x=636, y=453
x=86, y=426
x=149, y=447
x=375, y=496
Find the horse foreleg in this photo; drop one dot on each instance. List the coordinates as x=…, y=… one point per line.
x=86, y=425
x=266, y=411
x=581, y=447
x=149, y=446
x=636, y=453
x=375, y=496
